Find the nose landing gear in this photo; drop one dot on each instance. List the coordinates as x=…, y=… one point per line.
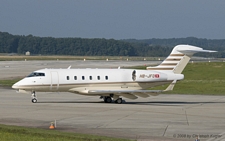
x=34, y=97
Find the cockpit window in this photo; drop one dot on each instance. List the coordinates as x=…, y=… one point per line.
x=36, y=74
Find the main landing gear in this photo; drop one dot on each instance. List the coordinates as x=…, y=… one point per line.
x=108, y=99
x=34, y=97
x=119, y=101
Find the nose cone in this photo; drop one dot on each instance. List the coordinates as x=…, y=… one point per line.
x=16, y=86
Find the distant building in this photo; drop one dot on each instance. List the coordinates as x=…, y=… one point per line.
x=27, y=53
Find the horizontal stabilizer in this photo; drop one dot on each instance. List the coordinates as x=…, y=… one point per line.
x=196, y=51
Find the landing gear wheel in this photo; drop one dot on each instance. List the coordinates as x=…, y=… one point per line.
x=34, y=100
x=119, y=100
x=108, y=99
x=34, y=97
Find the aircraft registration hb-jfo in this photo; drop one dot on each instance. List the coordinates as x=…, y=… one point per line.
x=111, y=83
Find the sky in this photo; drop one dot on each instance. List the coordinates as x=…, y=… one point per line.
x=114, y=19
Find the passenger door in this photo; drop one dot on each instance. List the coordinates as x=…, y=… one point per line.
x=54, y=80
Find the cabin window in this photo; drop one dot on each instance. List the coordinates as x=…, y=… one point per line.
x=83, y=77
x=41, y=74
x=106, y=77
x=36, y=74
x=68, y=78
x=98, y=77
x=75, y=77
x=90, y=77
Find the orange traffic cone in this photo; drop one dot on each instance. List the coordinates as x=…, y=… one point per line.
x=52, y=126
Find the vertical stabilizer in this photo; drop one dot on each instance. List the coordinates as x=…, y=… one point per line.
x=178, y=58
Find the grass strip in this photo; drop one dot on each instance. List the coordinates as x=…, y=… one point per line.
x=15, y=133
x=8, y=83
x=204, y=78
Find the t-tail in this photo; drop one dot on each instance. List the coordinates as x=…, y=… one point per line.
x=178, y=58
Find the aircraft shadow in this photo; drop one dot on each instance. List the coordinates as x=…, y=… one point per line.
x=171, y=103
x=158, y=103
x=70, y=102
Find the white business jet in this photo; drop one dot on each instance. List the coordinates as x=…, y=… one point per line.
x=111, y=83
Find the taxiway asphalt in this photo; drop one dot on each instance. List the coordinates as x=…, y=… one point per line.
x=168, y=116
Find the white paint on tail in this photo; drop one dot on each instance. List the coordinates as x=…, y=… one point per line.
x=178, y=58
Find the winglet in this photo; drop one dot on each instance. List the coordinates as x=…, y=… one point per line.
x=171, y=86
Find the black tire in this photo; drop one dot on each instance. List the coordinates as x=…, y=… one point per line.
x=104, y=98
x=119, y=100
x=34, y=100
x=108, y=99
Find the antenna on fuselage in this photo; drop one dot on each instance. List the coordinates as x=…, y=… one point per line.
x=69, y=67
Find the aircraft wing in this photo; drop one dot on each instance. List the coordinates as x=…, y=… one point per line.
x=131, y=94
x=141, y=93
